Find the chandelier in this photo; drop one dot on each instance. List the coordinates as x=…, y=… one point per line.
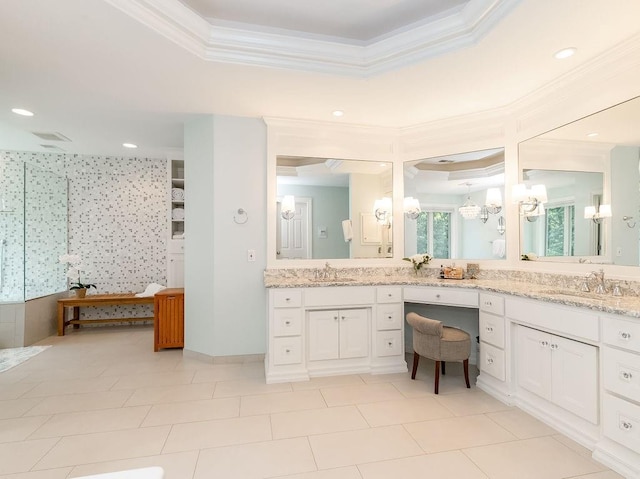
x=469, y=210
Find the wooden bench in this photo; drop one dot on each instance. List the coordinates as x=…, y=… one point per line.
x=95, y=300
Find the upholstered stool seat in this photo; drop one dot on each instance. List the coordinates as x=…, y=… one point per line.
x=440, y=343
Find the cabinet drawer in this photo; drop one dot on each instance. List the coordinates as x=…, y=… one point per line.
x=492, y=361
x=624, y=333
x=339, y=296
x=449, y=296
x=621, y=422
x=389, y=343
x=622, y=372
x=287, y=350
x=389, y=317
x=287, y=298
x=287, y=322
x=492, y=303
x=581, y=324
x=492, y=329
x=389, y=294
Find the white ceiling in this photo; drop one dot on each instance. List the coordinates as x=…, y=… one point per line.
x=100, y=77
x=359, y=20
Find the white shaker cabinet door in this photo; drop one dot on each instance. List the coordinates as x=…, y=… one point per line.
x=534, y=361
x=323, y=335
x=575, y=377
x=354, y=333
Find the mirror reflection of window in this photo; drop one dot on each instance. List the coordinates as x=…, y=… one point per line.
x=444, y=184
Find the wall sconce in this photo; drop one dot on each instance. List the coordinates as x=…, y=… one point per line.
x=493, y=202
x=382, y=210
x=532, y=216
x=530, y=199
x=484, y=214
x=501, y=227
x=629, y=220
x=288, y=207
x=469, y=210
x=412, y=207
x=604, y=211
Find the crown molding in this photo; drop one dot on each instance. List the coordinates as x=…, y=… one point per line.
x=292, y=50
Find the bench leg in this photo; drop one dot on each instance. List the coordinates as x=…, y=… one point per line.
x=76, y=316
x=61, y=319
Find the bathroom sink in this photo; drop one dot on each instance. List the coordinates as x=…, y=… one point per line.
x=573, y=294
x=331, y=280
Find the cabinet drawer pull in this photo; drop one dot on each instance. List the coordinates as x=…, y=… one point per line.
x=335, y=318
x=287, y=299
x=626, y=425
x=487, y=303
x=625, y=335
x=344, y=318
x=438, y=296
x=287, y=323
x=627, y=376
x=389, y=295
x=389, y=317
x=554, y=346
x=489, y=360
x=390, y=343
x=544, y=344
x=489, y=329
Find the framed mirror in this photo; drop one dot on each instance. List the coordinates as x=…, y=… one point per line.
x=591, y=170
x=453, y=206
x=330, y=208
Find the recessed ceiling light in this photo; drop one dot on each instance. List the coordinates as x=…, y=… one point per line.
x=337, y=113
x=565, y=53
x=130, y=145
x=22, y=111
x=593, y=135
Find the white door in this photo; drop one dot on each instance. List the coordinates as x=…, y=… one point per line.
x=323, y=335
x=293, y=237
x=534, y=361
x=354, y=333
x=575, y=377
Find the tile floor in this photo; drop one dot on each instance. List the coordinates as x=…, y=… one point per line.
x=101, y=400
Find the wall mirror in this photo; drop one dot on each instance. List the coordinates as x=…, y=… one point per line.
x=331, y=208
x=453, y=206
x=591, y=172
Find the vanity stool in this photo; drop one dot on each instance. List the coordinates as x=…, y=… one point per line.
x=440, y=343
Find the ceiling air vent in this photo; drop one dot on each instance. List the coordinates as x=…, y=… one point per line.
x=52, y=147
x=51, y=136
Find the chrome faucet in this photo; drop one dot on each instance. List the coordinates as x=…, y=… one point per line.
x=600, y=284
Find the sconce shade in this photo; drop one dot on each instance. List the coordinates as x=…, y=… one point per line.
x=494, y=197
x=382, y=209
x=288, y=207
x=589, y=212
x=539, y=192
x=519, y=192
x=412, y=207
x=604, y=211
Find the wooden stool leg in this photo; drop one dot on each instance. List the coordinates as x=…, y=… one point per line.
x=416, y=358
x=466, y=371
x=435, y=390
x=443, y=363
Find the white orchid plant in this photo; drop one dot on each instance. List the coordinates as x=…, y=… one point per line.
x=419, y=260
x=74, y=271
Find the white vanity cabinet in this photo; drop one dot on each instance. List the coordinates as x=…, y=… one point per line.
x=621, y=373
x=559, y=370
x=321, y=331
x=338, y=334
x=492, y=359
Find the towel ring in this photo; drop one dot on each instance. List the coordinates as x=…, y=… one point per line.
x=241, y=216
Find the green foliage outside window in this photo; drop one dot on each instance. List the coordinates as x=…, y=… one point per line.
x=434, y=233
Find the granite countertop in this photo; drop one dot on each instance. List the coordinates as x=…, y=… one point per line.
x=625, y=305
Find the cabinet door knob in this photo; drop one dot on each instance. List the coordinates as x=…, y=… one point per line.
x=489, y=329
x=343, y=318
x=626, y=425
x=438, y=296
x=389, y=295
x=554, y=346
x=489, y=360
x=287, y=351
x=335, y=318
x=287, y=299
x=544, y=344
x=389, y=317
x=287, y=323
x=627, y=376
x=390, y=344
x=625, y=335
